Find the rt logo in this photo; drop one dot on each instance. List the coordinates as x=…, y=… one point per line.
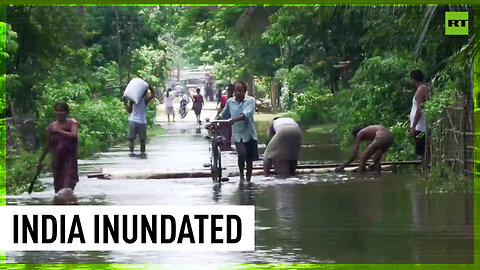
x=456, y=23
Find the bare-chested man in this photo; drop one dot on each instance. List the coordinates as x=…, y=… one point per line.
x=382, y=140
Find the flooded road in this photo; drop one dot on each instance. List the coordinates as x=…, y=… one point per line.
x=329, y=218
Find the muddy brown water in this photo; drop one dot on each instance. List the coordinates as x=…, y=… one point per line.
x=329, y=218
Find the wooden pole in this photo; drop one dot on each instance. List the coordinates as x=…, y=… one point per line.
x=305, y=169
x=206, y=174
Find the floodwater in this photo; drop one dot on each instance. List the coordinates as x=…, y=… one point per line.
x=328, y=218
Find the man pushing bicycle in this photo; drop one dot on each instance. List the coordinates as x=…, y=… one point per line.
x=239, y=110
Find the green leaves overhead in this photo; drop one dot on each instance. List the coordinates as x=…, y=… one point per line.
x=229, y=38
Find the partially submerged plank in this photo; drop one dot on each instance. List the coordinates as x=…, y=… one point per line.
x=326, y=165
x=115, y=174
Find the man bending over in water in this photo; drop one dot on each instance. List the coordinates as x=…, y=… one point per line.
x=382, y=140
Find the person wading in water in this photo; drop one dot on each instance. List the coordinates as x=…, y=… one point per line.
x=239, y=111
x=284, y=147
x=138, y=120
x=61, y=143
x=198, y=105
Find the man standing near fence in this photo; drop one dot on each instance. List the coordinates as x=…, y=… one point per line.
x=417, y=118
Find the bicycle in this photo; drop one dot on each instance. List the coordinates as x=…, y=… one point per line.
x=215, y=153
x=183, y=107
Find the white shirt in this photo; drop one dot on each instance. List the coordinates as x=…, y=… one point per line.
x=139, y=112
x=168, y=100
x=283, y=121
x=421, y=123
x=178, y=88
x=242, y=131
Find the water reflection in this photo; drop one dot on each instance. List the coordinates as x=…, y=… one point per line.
x=369, y=220
x=138, y=156
x=55, y=257
x=217, y=192
x=246, y=193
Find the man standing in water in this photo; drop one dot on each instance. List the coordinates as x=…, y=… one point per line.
x=239, y=111
x=417, y=119
x=138, y=119
x=382, y=140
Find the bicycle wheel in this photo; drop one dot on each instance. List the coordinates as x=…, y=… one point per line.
x=183, y=111
x=216, y=163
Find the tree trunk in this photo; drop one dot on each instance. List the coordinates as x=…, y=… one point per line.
x=12, y=109
x=130, y=41
x=21, y=43
x=119, y=46
x=273, y=95
x=472, y=77
x=81, y=18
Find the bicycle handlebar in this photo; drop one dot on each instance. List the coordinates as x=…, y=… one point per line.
x=217, y=121
x=220, y=121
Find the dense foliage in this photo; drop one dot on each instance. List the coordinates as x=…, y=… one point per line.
x=382, y=44
x=381, y=93
x=83, y=56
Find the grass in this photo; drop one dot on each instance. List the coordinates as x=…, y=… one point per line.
x=444, y=178
x=322, y=128
x=267, y=117
x=263, y=117
x=156, y=130
x=312, y=128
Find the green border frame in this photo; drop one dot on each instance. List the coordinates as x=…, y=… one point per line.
x=242, y=2
x=476, y=264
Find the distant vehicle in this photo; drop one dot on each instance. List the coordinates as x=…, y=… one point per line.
x=193, y=78
x=188, y=86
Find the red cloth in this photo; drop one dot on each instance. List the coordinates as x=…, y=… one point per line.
x=223, y=101
x=226, y=129
x=197, y=104
x=64, y=158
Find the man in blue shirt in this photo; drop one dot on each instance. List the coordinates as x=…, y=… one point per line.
x=239, y=110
